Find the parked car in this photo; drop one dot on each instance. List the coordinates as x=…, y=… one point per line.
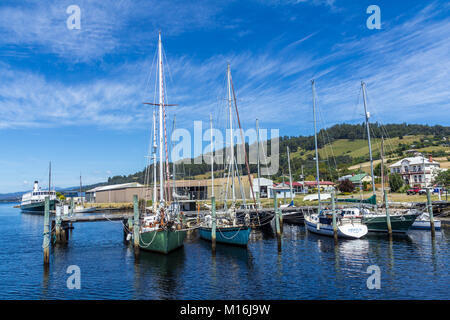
x=422, y=191
x=413, y=191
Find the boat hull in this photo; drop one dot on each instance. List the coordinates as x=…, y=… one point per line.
x=237, y=236
x=257, y=219
x=349, y=231
x=38, y=207
x=294, y=218
x=425, y=225
x=85, y=210
x=399, y=223
x=162, y=241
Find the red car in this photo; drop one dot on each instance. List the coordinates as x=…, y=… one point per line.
x=413, y=191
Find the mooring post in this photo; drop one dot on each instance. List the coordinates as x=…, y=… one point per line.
x=333, y=208
x=46, y=242
x=430, y=211
x=71, y=206
x=277, y=220
x=280, y=214
x=213, y=222
x=58, y=223
x=388, y=217
x=136, y=224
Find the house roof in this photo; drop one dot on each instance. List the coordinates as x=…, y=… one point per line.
x=295, y=184
x=116, y=186
x=322, y=183
x=357, y=177
x=414, y=161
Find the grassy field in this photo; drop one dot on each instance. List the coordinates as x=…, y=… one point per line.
x=359, y=147
x=119, y=205
x=298, y=200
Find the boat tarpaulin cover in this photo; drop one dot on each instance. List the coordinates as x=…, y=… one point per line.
x=371, y=200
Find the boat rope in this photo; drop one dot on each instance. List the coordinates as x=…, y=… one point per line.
x=146, y=245
x=229, y=238
x=104, y=216
x=46, y=243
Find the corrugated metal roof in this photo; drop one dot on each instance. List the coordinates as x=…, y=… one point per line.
x=117, y=186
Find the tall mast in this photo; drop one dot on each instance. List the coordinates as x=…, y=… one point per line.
x=382, y=167
x=161, y=137
x=257, y=160
x=315, y=143
x=49, y=177
x=290, y=175
x=155, y=146
x=424, y=176
x=81, y=192
x=367, y=115
x=173, y=163
x=231, y=133
x=212, y=155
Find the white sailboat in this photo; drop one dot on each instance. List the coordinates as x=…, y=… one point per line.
x=322, y=221
x=80, y=207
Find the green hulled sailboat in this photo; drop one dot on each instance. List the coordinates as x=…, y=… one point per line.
x=162, y=226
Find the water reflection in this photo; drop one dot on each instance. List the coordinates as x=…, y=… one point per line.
x=413, y=266
x=45, y=275
x=160, y=270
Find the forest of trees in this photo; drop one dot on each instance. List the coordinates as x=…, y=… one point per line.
x=328, y=167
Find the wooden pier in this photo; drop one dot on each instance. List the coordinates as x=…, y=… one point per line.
x=96, y=217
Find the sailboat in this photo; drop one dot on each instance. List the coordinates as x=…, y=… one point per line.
x=376, y=220
x=80, y=208
x=322, y=221
x=229, y=230
x=162, y=225
x=293, y=217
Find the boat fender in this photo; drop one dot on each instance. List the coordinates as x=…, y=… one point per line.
x=129, y=237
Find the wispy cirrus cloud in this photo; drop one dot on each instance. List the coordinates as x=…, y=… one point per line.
x=33, y=26
x=405, y=67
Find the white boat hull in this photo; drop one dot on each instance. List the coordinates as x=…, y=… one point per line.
x=425, y=225
x=84, y=210
x=350, y=231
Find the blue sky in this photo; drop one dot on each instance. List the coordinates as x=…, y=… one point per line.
x=74, y=96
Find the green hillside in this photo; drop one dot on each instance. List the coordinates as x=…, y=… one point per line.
x=342, y=148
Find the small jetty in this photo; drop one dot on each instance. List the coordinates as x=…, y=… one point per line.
x=96, y=217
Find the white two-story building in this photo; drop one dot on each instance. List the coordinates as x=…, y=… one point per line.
x=417, y=171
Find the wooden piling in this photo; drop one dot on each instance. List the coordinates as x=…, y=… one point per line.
x=71, y=206
x=280, y=214
x=333, y=208
x=136, y=225
x=58, y=224
x=277, y=220
x=430, y=211
x=46, y=242
x=388, y=217
x=213, y=229
x=64, y=237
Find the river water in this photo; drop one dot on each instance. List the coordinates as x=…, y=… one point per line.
x=412, y=266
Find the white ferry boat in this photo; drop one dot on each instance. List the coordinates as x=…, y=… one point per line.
x=34, y=201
